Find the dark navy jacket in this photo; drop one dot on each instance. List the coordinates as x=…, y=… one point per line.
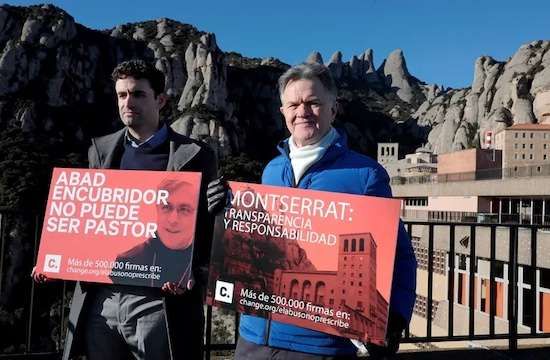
x=339, y=170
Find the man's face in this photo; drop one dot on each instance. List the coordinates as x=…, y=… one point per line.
x=541, y=107
x=309, y=110
x=138, y=106
x=175, y=220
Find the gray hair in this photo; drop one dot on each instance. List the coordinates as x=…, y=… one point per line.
x=308, y=72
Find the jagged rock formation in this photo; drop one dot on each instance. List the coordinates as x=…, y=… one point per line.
x=224, y=99
x=205, y=76
x=396, y=75
x=501, y=95
x=391, y=77
x=314, y=57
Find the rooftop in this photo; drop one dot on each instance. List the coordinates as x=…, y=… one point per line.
x=528, y=127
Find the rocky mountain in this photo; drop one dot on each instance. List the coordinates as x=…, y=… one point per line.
x=501, y=95
x=54, y=80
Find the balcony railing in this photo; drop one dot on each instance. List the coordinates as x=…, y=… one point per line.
x=33, y=318
x=495, y=244
x=542, y=169
x=474, y=217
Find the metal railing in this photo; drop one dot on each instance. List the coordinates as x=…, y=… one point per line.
x=542, y=169
x=495, y=236
x=473, y=217
x=32, y=338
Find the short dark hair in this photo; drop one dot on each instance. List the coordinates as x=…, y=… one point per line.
x=140, y=69
x=309, y=71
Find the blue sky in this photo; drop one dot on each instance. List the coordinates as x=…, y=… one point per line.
x=440, y=38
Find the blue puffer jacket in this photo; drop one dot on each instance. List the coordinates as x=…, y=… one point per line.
x=345, y=171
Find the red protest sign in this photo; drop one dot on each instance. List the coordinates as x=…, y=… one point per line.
x=120, y=226
x=315, y=259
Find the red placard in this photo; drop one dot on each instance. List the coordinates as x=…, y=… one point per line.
x=120, y=226
x=315, y=259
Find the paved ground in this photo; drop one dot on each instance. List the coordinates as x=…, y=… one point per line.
x=523, y=354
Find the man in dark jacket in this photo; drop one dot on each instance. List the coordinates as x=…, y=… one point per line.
x=316, y=157
x=117, y=321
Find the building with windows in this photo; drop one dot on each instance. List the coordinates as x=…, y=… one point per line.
x=469, y=164
x=387, y=152
x=472, y=187
x=525, y=149
x=423, y=163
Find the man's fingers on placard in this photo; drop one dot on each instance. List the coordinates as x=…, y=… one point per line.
x=215, y=182
x=37, y=276
x=219, y=182
x=215, y=190
x=216, y=198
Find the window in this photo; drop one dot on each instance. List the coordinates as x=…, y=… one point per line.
x=523, y=156
x=523, y=146
x=528, y=275
x=545, y=278
x=462, y=262
x=461, y=290
x=530, y=146
x=516, y=135
x=499, y=269
x=523, y=135
x=531, y=135
x=515, y=156
x=484, y=286
x=530, y=156
x=539, y=169
x=545, y=145
x=515, y=145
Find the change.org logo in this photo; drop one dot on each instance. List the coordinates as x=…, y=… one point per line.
x=224, y=291
x=52, y=263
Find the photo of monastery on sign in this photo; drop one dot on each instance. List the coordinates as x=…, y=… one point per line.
x=315, y=259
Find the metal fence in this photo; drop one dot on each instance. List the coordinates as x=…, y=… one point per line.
x=542, y=169
x=37, y=317
x=497, y=239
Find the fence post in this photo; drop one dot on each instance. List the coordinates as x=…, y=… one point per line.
x=513, y=290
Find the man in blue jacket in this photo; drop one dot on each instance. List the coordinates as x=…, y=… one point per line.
x=316, y=157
